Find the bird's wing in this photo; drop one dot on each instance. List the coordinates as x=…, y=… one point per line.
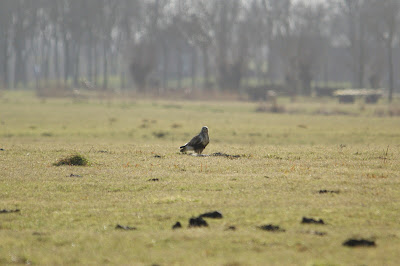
x=195, y=140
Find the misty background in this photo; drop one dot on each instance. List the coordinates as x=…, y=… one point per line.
x=198, y=46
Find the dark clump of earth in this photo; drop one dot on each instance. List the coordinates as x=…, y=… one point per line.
x=271, y=228
x=124, y=227
x=231, y=228
x=9, y=211
x=154, y=179
x=1, y=149
x=157, y=156
x=312, y=221
x=197, y=222
x=214, y=215
x=177, y=225
x=359, y=243
x=73, y=175
x=324, y=191
x=160, y=134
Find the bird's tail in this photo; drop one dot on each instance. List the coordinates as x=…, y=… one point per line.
x=183, y=148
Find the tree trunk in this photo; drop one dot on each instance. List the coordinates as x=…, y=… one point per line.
x=76, y=63
x=96, y=65
x=259, y=76
x=45, y=66
x=305, y=79
x=361, y=62
x=90, y=58
x=390, y=68
x=2, y=58
x=24, y=77
x=56, y=59
x=165, y=66
x=66, y=61
x=18, y=66
x=361, y=54
x=122, y=80
x=5, y=62
x=194, y=67
x=206, y=71
x=179, y=66
x=269, y=76
x=105, y=67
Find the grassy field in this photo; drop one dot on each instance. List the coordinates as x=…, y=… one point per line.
x=137, y=178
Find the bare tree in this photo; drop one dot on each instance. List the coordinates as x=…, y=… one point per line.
x=144, y=51
x=352, y=21
x=199, y=32
x=384, y=19
x=25, y=19
x=311, y=38
x=129, y=14
x=53, y=10
x=232, y=41
x=6, y=14
x=107, y=22
x=276, y=17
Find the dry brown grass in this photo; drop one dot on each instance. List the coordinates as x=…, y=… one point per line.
x=68, y=214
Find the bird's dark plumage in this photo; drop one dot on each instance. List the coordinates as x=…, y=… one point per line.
x=197, y=143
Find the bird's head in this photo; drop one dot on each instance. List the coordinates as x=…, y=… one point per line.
x=204, y=129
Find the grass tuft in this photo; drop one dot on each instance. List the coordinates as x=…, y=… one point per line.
x=77, y=160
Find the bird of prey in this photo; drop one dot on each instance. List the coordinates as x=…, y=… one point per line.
x=197, y=143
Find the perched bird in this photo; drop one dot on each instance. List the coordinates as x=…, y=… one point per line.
x=197, y=143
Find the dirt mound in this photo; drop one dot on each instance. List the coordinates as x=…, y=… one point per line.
x=359, y=243
x=271, y=228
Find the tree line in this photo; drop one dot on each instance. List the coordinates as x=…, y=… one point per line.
x=200, y=44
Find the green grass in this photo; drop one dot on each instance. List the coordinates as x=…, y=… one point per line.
x=286, y=159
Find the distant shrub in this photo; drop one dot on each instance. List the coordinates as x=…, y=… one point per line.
x=325, y=91
x=54, y=90
x=391, y=111
x=394, y=111
x=271, y=108
x=380, y=112
x=77, y=160
x=332, y=111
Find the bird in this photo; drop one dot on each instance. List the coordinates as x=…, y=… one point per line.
x=198, y=143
